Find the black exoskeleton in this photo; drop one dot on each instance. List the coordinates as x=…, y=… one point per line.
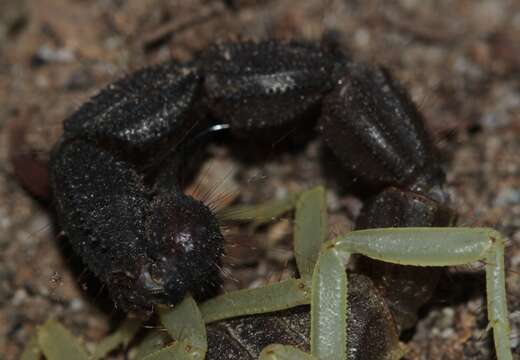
x=150, y=243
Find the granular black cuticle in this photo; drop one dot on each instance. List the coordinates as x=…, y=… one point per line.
x=132, y=224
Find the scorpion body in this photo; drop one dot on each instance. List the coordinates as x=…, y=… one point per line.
x=151, y=244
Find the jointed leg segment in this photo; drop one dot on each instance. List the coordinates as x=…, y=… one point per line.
x=427, y=247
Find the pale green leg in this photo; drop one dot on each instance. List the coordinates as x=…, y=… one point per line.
x=310, y=229
x=496, y=295
x=274, y=297
x=440, y=247
x=184, y=323
x=329, y=307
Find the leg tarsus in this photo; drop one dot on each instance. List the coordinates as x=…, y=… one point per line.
x=328, y=307
x=497, y=298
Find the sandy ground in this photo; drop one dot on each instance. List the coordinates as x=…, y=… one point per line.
x=459, y=59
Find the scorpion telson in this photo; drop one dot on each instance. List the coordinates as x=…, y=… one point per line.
x=152, y=244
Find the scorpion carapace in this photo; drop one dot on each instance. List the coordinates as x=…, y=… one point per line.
x=150, y=243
